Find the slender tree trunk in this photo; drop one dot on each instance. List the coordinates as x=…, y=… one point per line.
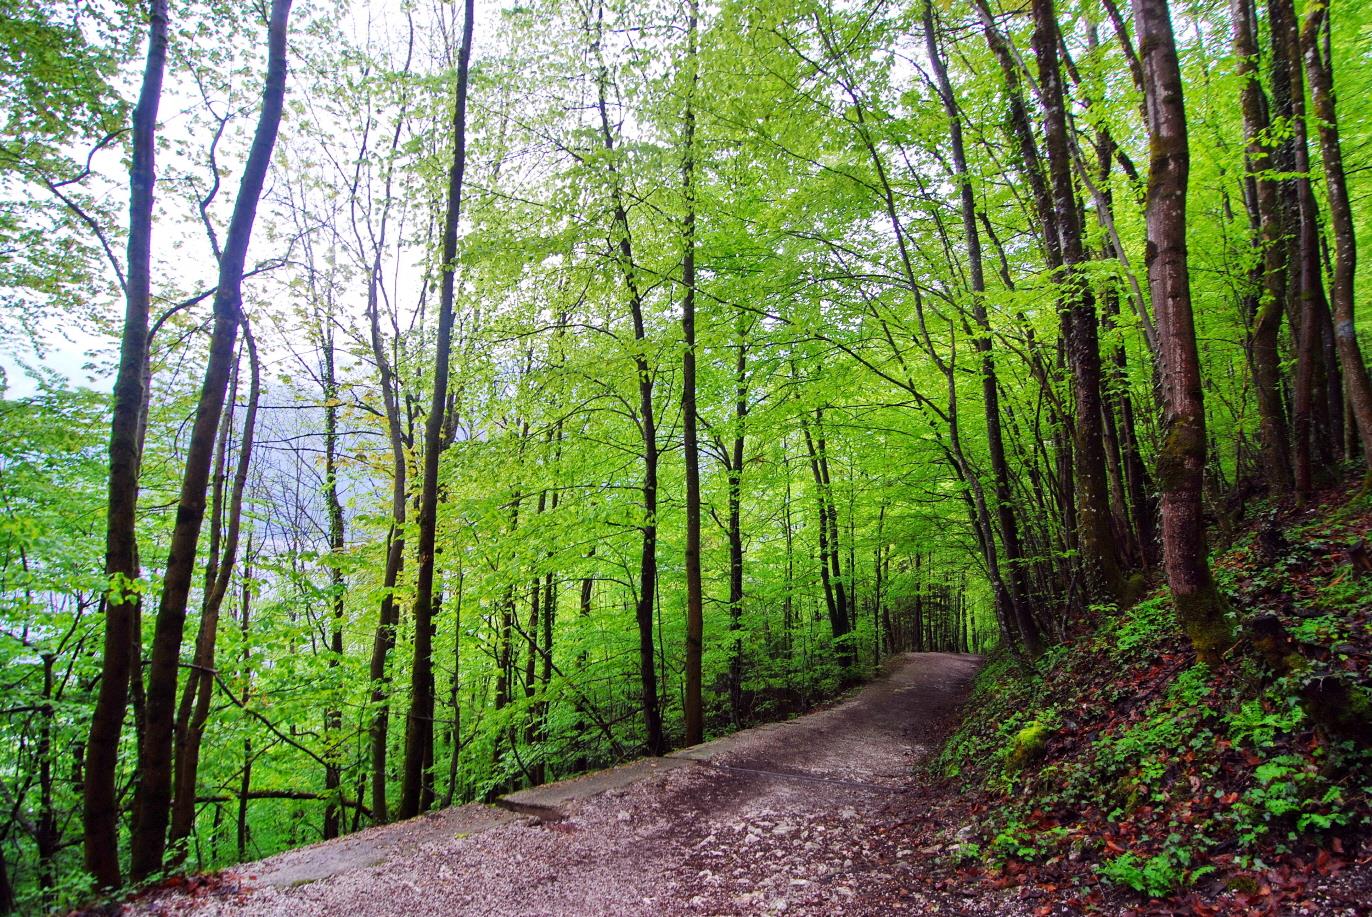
x=1319, y=71
x=333, y=717
x=1265, y=348
x=847, y=652
x=100, y=797
x=245, y=780
x=47, y=835
x=1018, y=598
x=195, y=700
x=694, y=713
x=1099, y=554
x=1303, y=228
x=183, y=801
x=384, y=639
x=454, y=696
x=1182, y=461
x=647, y=578
x=152, y=799
x=389, y=616
x=419, y=724
x=734, y=472
x=545, y=675
x=1021, y=131
x=830, y=573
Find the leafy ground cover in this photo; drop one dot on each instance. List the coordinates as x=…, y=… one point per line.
x=1121, y=776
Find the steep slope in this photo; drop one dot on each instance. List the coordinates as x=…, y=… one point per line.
x=1121, y=775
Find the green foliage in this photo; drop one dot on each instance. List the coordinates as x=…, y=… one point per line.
x=1021, y=841
x=1131, y=634
x=1259, y=722
x=1141, y=753
x=833, y=303
x=1157, y=876
x=1289, y=797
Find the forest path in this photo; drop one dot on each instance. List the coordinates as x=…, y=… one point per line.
x=786, y=817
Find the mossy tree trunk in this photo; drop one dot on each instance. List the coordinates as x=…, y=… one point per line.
x=1181, y=470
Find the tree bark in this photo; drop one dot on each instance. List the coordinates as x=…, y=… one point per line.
x=1103, y=575
x=1182, y=461
x=1303, y=248
x=694, y=712
x=244, y=625
x=734, y=473
x=100, y=798
x=647, y=575
x=830, y=571
x=1320, y=73
x=1018, y=597
x=152, y=799
x=416, y=788
x=195, y=700
x=1265, y=353
x=333, y=717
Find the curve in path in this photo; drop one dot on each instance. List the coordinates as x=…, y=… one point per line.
x=784, y=818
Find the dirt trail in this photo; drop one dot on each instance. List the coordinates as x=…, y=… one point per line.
x=781, y=818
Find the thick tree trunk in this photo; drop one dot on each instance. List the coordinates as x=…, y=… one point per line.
x=100, y=797
x=417, y=786
x=152, y=799
x=1182, y=462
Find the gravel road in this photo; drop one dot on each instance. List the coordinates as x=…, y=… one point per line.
x=787, y=818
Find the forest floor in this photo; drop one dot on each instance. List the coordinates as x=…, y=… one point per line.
x=1152, y=785
x=809, y=816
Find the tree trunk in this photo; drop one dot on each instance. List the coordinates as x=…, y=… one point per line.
x=1308, y=301
x=694, y=712
x=244, y=625
x=1265, y=353
x=734, y=472
x=1018, y=584
x=1104, y=578
x=647, y=570
x=1182, y=462
x=830, y=572
x=1356, y=381
x=152, y=799
x=195, y=700
x=100, y=798
x=416, y=786
x=333, y=717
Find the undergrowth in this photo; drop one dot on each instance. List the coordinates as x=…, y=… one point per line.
x=1166, y=779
